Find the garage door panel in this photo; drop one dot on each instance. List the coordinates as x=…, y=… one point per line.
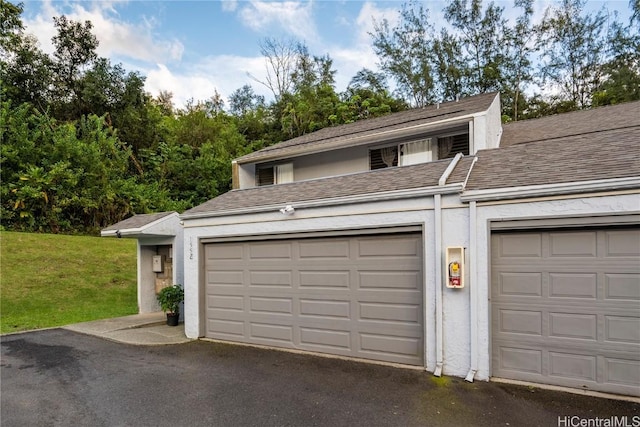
x=274, y=278
x=226, y=302
x=226, y=328
x=325, y=308
x=520, y=283
x=325, y=279
x=573, y=285
x=573, y=244
x=520, y=322
x=520, y=245
x=271, y=305
x=576, y=366
x=622, y=329
x=571, y=315
x=622, y=244
x=271, y=331
x=324, y=249
x=622, y=371
x=622, y=286
x=388, y=279
x=320, y=294
x=222, y=277
x=270, y=251
x=388, y=248
x=405, y=347
x=401, y=313
x=328, y=340
x=573, y=325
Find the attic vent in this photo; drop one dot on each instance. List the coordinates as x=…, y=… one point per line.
x=449, y=146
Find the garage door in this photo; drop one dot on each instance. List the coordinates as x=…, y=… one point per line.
x=566, y=308
x=352, y=296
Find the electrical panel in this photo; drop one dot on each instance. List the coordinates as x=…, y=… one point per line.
x=158, y=263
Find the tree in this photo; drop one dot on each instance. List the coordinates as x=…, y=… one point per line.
x=244, y=100
x=281, y=59
x=313, y=102
x=481, y=40
x=518, y=70
x=406, y=54
x=572, y=46
x=75, y=51
x=621, y=73
x=367, y=96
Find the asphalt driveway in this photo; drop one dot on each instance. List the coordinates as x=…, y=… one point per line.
x=62, y=378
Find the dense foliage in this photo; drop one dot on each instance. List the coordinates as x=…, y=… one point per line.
x=84, y=146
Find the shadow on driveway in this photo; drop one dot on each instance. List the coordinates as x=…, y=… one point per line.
x=59, y=377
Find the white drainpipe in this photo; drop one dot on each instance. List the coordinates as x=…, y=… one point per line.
x=473, y=293
x=438, y=272
x=437, y=199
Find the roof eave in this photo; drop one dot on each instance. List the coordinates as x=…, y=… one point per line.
x=336, y=201
x=546, y=190
x=143, y=231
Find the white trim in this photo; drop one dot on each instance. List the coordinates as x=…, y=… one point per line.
x=363, y=198
x=126, y=232
x=550, y=189
x=445, y=175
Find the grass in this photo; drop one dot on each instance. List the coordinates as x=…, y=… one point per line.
x=51, y=280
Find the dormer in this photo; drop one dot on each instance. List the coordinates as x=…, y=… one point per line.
x=400, y=139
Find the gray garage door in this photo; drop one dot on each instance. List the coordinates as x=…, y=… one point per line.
x=566, y=308
x=352, y=296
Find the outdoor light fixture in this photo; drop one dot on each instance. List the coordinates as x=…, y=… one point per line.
x=287, y=210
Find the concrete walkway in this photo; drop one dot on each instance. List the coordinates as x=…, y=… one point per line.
x=139, y=329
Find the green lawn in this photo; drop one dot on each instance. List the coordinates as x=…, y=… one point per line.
x=52, y=280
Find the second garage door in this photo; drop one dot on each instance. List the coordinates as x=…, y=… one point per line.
x=566, y=307
x=353, y=296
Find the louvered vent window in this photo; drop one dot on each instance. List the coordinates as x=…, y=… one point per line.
x=383, y=157
x=264, y=175
x=449, y=146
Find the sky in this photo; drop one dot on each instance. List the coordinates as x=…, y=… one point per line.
x=197, y=47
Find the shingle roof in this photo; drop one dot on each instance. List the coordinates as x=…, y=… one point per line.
x=605, y=154
x=587, y=145
x=344, y=135
x=574, y=123
x=380, y=180
x=137, y=221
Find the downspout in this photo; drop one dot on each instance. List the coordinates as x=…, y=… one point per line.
x=437, y=199
x=438, y=270
x=473, y=292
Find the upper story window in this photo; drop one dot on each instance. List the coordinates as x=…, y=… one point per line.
x=420, y=151
x=274, y=174
x=408, y=153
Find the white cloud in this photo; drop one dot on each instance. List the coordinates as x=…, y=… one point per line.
x=358, y=52
x=293, y=17
x=116, y=37
x=224, y=74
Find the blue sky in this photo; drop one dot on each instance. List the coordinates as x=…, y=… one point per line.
x=193, y=48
